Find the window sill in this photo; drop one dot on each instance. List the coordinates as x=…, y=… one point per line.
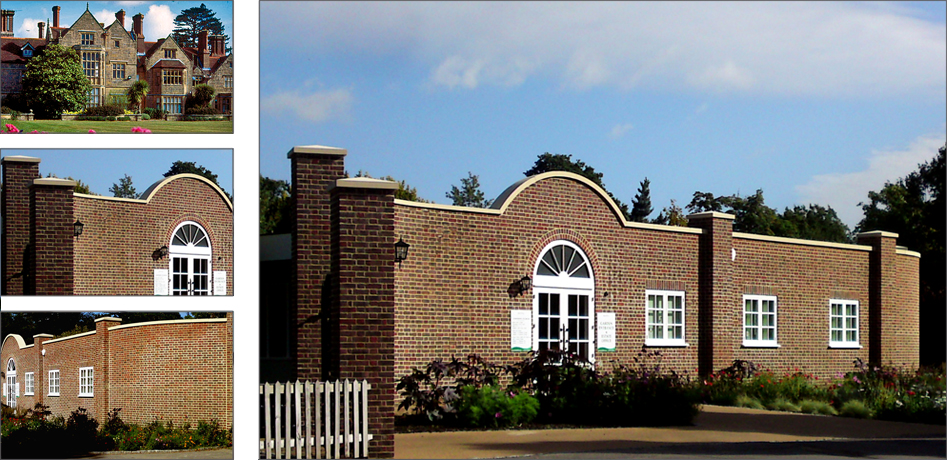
x=844, y=345
x=665, y=343
x=29, y=394
x=53, y=394
x=86, y=396
x=758, y=344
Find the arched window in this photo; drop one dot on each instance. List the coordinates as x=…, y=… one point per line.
x=11, y=389
x=564, y=293
x=190, y=260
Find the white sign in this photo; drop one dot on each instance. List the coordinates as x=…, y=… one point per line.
x=161, y=282
x=521, y=330
x=606, y=331
x=220, y=282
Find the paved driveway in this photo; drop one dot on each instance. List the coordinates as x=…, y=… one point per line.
x=154, y=454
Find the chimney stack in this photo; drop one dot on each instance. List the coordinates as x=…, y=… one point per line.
x=217, y=46
x=120, y=16
x=136, y=26
x=205, y=51
x=56, y=16
x=41, y=26
x=6, y=23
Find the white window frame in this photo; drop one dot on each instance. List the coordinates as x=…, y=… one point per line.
x=29, y=383
x=845, y=329
x=86, y=382
x=54, y=382
x=190, y=256
x=759, y=327
x=564, y=284
x=11, y=388
x=666, y=316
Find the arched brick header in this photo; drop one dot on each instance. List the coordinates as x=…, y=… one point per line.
x=562, y=234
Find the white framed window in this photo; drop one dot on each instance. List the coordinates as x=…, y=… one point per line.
x=563, y=300
x=843, y=324
x=85, y=381
x=759, y=321
x=10, y=387
x=92, y=66
x=664, y=318
x=28, y=383
x=172, y=77
x=54, y=383
x=171, y=104
x=118, y=70
x=228, y=81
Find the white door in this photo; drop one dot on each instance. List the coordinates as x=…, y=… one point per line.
x=11, y=388
x=190, y=264
x=563, y=301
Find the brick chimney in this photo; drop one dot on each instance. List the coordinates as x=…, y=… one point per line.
x=137, y=27
x=205, y=52
x=217, y=45
x=56, y=16
x=120, y=16
x=6, y=23
x=41, y=26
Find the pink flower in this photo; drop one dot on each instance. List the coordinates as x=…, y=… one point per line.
x=34, y=132
x=498, y=415
x=139, y=129
x=12, y=129
x=91, y=131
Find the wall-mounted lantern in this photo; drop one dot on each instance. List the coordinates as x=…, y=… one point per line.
x=519, y=286
x=159, y=253
x=401, y=251
x=77, y=228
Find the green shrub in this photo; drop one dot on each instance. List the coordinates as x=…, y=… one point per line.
x=201, y=110
x=810, y=406
x=107, y=110
x=856, y=409
x=155, y=113
x=494, y=406
x=145, y=116
x=746, y=401
x=782, y=404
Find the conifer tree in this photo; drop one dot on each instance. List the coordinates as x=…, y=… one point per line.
x=641, y=203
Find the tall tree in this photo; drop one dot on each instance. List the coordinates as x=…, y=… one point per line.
x=275, y=206
x=914, y=208
x=189, y=24
x=559, y=162
x=641, y=204
x=469, y=194
x=28, y=324
x=813, y=222
x=124, y=188
x=136, y=95
x=672, y=215
x=185, y=167
x=54, y=82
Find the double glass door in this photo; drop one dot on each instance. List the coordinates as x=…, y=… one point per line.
x=565, y=322
x=190, y=275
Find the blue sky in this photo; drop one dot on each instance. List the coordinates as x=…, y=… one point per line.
x=812, y=102
x=157, y=24
x=101, y=168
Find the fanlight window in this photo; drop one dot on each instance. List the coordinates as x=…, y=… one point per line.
x=563, y=260
x=11, y=366
x=190, y=235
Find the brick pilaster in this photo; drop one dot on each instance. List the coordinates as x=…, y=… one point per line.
x=314, y=170
x=718, y=307
x=51, y=237
x=363, y=302
x=39, y=376
x=888, y=341
x=18, y=175
x=100, y=371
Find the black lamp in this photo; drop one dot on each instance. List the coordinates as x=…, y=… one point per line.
x=401, y=250
x=77, y=228
x=525, y=283
x=159, y=253
x=519, y=286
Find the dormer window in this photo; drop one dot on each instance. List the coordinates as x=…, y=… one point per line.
x=169, y=54
x=27, y=52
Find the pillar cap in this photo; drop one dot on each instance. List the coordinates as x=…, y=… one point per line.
x=55, y=182
x=317, y=150
x=42, y=336
x=365, y=182
x=19, y=159
x=108, y=318
x=711, y=215
x=878, y=233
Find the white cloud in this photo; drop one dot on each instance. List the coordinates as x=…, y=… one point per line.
x=158, y=22
x=843, y=191
x=771, y=48
x=317, y=107
x=619, y=130
x=28, y=28
x=106, y=17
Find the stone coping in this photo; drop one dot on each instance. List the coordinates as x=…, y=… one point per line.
x=20, y=159
x=316, y=149
x=68, y=337
x=880, y=233
x=170, y=321
x=364, y=183
x=150, y=192
x=905, y=252
x=799, y=241
x=55, y=182
x=711, y=215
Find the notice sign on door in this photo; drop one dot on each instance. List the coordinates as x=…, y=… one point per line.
x=606, y=331
x=161, y=282
x=220, y=283
x=521, y=330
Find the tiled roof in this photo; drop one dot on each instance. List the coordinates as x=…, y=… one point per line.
x=10, y=48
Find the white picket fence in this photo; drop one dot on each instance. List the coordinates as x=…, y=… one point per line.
x=315, y=419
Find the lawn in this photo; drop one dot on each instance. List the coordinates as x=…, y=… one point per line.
x=156, y=126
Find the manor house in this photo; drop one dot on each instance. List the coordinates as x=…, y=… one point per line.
x=113, y=58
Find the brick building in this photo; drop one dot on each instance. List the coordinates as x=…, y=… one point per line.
x=179, y=370
x=176, y=239
x=599, y=285
x=113, y=58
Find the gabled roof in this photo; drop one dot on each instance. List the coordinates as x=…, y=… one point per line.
x=84, y=13
x=10, y=48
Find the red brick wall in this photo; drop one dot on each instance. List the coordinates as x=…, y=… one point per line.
x=803, y=279
x=716, y=316
x=15, y=209
x=451, y=292
x=180, y=371
x=113, y=255
x=904, y=350
x=51, y=239
x=363, y=302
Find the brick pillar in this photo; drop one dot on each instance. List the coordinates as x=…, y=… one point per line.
x=39, y=377
x=888, y=341
x=18, y=175
x=100, y=370
x=51, y=237
x=314, y=169
x=719, y=309
x=363, y=301
x=228, y=394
